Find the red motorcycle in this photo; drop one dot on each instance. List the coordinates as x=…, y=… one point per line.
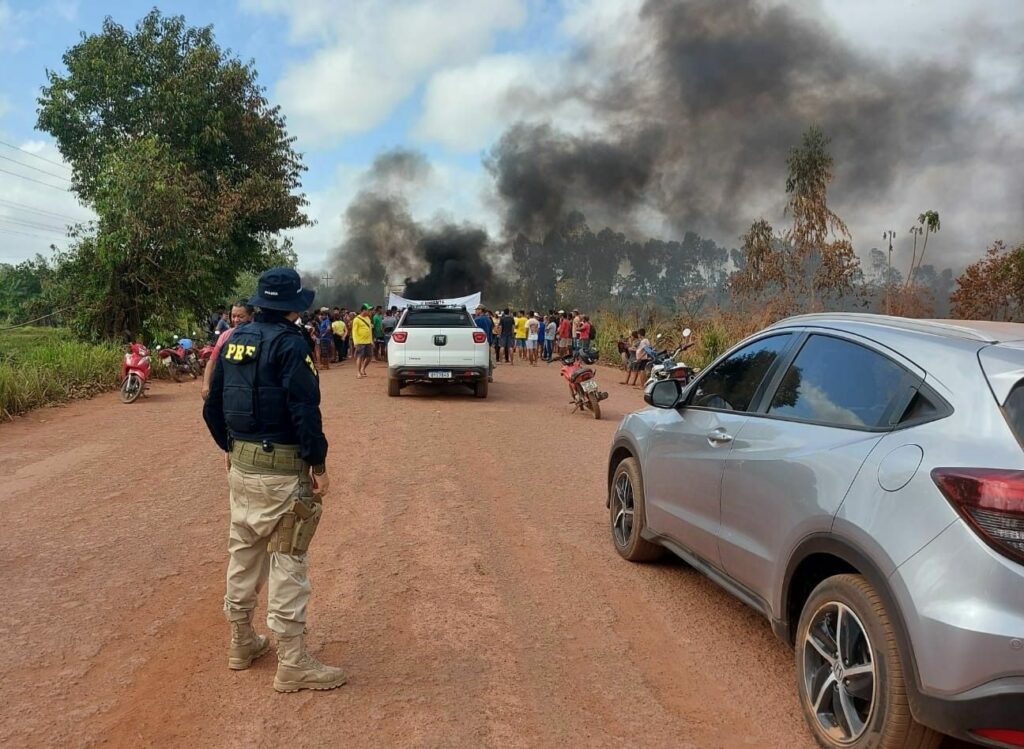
x=204, y=355
x=134, y=372
x=586, y=395
x=179, y=360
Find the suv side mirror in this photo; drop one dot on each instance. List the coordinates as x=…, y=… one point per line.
x=664, y=393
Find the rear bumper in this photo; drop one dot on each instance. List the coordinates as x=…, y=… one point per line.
x=962, y=606
x=459, y=374
x=998, y=704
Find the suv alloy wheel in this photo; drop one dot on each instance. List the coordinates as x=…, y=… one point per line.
x=848, y=671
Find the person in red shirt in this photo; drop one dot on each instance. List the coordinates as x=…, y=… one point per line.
x=585, y=329
x=564, y=335
x=240, y=313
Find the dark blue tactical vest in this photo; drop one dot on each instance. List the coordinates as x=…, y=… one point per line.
x=255, y=403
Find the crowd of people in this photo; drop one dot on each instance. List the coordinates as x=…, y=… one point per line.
x=338, y=334
x=531, y=336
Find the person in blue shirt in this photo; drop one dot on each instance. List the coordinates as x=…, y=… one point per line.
x=326, y=338
x=486, y=324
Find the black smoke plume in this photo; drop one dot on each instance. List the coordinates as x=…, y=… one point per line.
x=384, y=244
x=697, y=127
x=454, y=255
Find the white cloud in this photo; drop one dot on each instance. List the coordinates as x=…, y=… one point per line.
x=370, y=57
x=32, y=215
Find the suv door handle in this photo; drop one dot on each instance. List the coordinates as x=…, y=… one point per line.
x=719, y=438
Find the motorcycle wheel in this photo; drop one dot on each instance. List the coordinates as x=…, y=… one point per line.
x=175, y=373
x=595, y=405
x=131, y=388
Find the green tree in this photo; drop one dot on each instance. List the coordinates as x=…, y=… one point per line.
x=189, y=168
x=21, y=289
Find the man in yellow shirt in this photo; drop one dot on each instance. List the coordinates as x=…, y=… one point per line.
x=520, y=321
x=362, y=339
x=338, y=329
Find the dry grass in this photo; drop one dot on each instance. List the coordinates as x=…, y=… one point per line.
x=714, y=332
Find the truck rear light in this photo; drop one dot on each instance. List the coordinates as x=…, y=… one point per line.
x=991, y=501
x=479, y=336
x=399, y=336
x=1009, y=736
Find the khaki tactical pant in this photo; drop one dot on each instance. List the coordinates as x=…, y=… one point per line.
x=262, y=487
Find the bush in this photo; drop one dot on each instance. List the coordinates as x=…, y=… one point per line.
x=40, y=366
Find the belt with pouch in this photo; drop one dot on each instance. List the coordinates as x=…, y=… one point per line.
x=254, y=457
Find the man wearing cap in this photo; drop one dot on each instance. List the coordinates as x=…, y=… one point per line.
x=263, y=410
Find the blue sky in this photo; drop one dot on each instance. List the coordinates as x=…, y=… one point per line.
x=446, y=77
x=33, y=37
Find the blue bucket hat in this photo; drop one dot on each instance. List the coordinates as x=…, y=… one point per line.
x=281, y=289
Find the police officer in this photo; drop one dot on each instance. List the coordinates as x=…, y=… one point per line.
x=263, y=410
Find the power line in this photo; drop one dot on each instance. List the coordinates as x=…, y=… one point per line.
x=34, y=155
x=34, y=168
x=38, y=182
x=33, y=225
x=54, y=214
x=26, y=234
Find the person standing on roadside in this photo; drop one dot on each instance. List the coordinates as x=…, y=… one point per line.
x=378, y=333
x=483, y=321
x=241, y=313
x=496, y=335
x=508, y=325
x=576, y=322
x=550, y=334
x=532, y=333
x=520, y=323
x=362, y=339
x=326, y=338
x=264, y=412
x=338, y=331
x=564, y=334
x=585, y=333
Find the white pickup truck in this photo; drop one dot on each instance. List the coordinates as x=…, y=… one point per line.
x=435, y=343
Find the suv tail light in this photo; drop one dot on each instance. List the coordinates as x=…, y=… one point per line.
x=1005, y=735
x=479, y=336
x=991, y=501
x=399, y=336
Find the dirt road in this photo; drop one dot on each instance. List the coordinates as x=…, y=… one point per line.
x=463, y=576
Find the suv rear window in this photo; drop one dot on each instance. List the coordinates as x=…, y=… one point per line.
x=437, y=318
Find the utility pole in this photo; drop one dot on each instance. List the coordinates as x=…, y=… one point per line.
x=326, y=278
x=890, y=235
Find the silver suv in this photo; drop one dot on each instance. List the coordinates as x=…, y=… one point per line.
x=859, y=480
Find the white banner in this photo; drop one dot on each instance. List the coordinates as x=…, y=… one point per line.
x=469, y=302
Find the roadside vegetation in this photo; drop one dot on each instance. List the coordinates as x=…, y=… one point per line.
x=40, y=366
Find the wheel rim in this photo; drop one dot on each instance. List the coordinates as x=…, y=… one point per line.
x=130, y=388
x=622, y=509
x=839, y=673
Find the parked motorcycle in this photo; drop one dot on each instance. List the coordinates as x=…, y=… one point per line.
x=586, y=394
x=203, y=356
x=666, y=367
x=180, y=359
x=134, y=372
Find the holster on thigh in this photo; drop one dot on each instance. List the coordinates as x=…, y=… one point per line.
x=294, y=531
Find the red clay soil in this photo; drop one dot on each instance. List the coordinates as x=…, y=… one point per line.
x=463, y=575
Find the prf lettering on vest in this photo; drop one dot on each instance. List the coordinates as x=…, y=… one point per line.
x=239, y=352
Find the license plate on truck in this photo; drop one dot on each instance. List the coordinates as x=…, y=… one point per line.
x=589, y=386
x=445, y=375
